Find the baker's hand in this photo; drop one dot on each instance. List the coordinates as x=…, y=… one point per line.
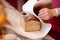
x=46, y=13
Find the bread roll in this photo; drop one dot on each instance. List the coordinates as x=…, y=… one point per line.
x=31, y=17
x=2, y=14
x=32, y=25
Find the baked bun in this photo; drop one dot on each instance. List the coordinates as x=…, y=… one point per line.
x=32, y=25
x=31, y=17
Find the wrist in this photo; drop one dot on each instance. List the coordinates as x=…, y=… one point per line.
x=53, y=12
x=56, y=12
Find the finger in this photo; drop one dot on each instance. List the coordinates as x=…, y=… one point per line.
x=42, y=16
x=45, y=18
x=42, y=13
x=42, y=10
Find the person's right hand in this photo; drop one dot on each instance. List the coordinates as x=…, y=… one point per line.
x=46, y=13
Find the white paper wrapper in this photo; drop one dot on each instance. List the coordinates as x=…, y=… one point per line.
x=45, y=27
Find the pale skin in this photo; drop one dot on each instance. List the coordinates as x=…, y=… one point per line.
x=46, y=13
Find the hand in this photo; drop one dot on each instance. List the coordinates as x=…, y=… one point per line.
x=46, y=13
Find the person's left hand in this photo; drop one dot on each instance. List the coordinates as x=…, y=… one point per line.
x=46, y=13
